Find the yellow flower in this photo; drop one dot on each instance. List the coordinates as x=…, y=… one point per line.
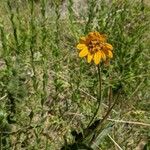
x=95, y=47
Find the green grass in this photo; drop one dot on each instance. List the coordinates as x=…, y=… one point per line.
x=47, y=91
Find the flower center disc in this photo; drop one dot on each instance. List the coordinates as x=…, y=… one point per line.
x=94, y=46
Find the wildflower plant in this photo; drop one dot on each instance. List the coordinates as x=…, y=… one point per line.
x=94, y=47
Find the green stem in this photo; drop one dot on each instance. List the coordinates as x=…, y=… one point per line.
x=100, y=126
x=99, y=95
x=0, y=140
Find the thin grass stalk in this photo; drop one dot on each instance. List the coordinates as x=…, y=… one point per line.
x=22, y=30
x=70, y=10
x=91, y=15
x=56, y=48
x=57, y=32
x=32, y=43
x=5, y=49
x=44, y=55
x=14, y=27
x=57, y=24
x=71, y=17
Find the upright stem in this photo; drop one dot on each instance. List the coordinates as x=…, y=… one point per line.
x=0, y=140
x=99, y=98
x=99, y=95
x=100, y=126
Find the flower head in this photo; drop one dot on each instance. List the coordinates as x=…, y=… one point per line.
x=95, y=47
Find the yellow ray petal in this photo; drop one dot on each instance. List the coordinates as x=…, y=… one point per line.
x=91, y=34
x=97, y=57
x=89, y=57
x=103, y=55
x=110, y=54
x=109, y=46
x=97, y=34
x=81, y=46
x=82, y=40
x=83, y=52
